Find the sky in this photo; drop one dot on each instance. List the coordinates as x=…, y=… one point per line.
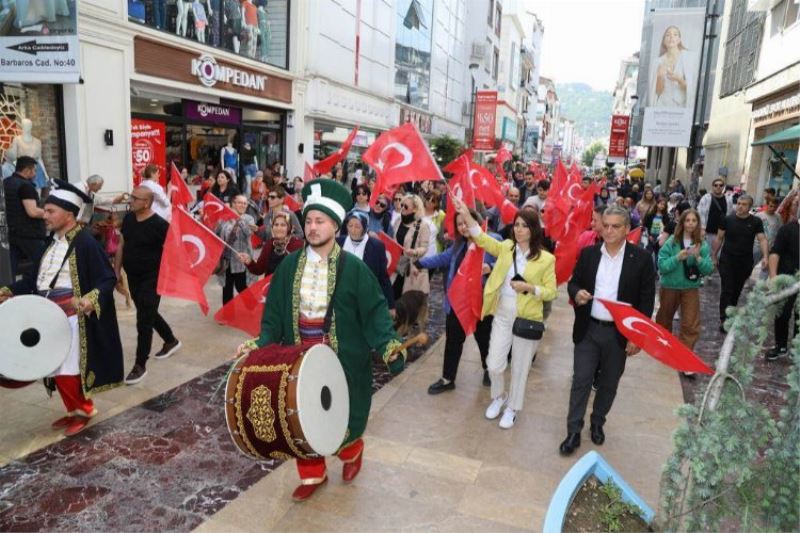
x=585, y=40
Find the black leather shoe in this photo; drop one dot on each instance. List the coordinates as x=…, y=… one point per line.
x=440, y=387
x=570, y=444
x=486, y=381
x=598, y=437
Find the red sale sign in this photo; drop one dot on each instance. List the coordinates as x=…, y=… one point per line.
x=619, y=136
x=485, y=117
x=148, y=146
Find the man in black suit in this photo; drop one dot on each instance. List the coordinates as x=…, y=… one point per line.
x=612, y=270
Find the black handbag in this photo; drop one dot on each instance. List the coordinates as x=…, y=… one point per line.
x=531, y=330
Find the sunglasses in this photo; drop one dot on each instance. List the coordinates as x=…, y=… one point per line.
x=406, y=206
x=361, y=193
x=272, y=196
x=381, y=204
x=717, y=185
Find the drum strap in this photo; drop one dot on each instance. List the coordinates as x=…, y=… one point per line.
x=326, y=325
x=70, y=248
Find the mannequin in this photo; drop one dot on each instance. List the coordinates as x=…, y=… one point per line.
x=200, y=20
x=27, y=144
x=160, y=14
x=266, y=33
x=232, y=19
x=229, y=158
x=182, y=19
x=250, y=16
x=249, y=162
x=214, y=12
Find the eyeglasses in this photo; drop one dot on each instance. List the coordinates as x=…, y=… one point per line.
x=396, y=200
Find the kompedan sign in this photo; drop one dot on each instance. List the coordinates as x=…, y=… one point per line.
x=39, y=42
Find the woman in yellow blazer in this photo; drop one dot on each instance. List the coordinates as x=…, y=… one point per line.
x=507, y=298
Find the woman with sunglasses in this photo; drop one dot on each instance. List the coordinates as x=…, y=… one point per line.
x=413, y=235
x=275, y=205
x=380, y=218
x=522, y=279
x=361, y=199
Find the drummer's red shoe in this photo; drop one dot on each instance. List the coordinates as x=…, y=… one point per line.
x=76, y=426
x=62, y=422
x=304, y=492
x=350, y=470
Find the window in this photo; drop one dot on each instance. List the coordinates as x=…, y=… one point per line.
x=792, y=13
x=491, y=12
x=777, y=18
x=742, y=48
x=413, y=51
x=498, y=19
x=512, y=66
x=495, y=62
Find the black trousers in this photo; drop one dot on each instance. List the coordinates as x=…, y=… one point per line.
x=30, y=249
x=147, y=300
x=454, y=343
x=238, y=280
x=733, y=273
x=782, y=323
x=599, y=349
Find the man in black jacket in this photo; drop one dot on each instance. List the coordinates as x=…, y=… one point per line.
x=614, y=271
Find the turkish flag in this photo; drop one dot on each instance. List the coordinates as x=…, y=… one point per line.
x=507, y=212
x=487, y=190
x=635, y=236
x=556, y=212
x=308, y=173
x=560, y=179
x=291, y=203
x=566, y=257
x=191, y=253
x=502, y=156
x=654, y=339
x=381, y=188
x=245, y=311
x=177, y=190
x=461, y=187
x=215, y=211
x=325, y=166
x=393, y=252
x=400, y=155
x=466, y=291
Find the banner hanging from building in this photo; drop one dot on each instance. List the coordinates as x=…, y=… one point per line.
x=485, y=117
x=39, y=42
x=675, y=51
x=619, y=138
x=148, y=146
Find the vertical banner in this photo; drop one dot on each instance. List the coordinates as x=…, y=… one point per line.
x=485, y=117
x=677, y=41
x=39, y=41
x=619, y=138
x=148, y=145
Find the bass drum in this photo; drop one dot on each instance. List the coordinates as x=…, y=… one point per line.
x=288, y=401
x=36, y=339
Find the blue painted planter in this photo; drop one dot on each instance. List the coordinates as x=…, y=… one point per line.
x=591, y=463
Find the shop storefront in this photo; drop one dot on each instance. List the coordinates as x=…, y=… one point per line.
x=204, y=130
x=328, y=137
x=775, y=148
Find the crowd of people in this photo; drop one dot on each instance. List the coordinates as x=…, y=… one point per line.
x=682, y=242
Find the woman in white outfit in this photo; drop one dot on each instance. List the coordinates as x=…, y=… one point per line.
x=671, y=71
x=523, y=278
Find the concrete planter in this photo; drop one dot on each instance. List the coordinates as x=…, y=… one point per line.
x=591, y=463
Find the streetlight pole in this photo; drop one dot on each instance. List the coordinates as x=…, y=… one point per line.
x=472, y=68
x=633, y=99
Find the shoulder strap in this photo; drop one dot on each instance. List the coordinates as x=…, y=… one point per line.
x=326, y=325
x=70, y=248
x=514, y=258
x=416, y=234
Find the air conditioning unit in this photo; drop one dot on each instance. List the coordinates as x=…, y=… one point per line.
x=478, y=50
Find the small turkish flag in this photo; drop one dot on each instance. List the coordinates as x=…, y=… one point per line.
x=466, y=291
x=560, y=179
x=308, y=173
x=566, y=257
x=654, y=339
x=245, y=311
x=502, y=156
x=487, y=190
x=177, y=190
x=400, y=155
x=635, y=236
x=291, y=203
x=215, y=211
x=325, y=166
x=191, y=253
x=461, y=187
x=393, y=252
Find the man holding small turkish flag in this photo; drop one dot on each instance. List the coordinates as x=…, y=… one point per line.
x=611, y=270
x=215, y=211
x=245, y=311
x=401, y=155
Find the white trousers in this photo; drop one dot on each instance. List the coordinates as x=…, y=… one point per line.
x=522, y=351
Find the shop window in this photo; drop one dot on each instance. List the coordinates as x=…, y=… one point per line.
x=495, y=62
x=257, y=29
x=498, y=19
x=413, y=51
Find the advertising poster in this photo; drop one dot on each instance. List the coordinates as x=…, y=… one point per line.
x=148, y=145
x=485, y=117
x=677, y=41
x=39, y=41
x=619, y=138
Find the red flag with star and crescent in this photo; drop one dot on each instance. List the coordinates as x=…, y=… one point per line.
x=191, y=253
x=215, y=211
x=400, y=155
x=466, y=291
x=635, y=236
x=325, y=166
x=308, y=173
x=393, y=252
x=462, y=187
x=177, y=190
x=654, y=339
x=245, y=311
x=502, y=156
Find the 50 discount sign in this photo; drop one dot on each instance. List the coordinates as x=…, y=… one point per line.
x=148, y=146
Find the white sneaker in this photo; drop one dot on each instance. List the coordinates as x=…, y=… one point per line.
x=509, y=417
x=493, y=411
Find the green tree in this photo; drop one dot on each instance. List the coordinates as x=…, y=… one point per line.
x=445, y=149
x=588, y=155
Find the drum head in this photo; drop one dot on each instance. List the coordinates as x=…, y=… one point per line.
x=323, y=400
x=37, y=337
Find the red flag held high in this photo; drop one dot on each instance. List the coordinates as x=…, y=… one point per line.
x=466, y=292
x=191, y=253
x=308, y=173
x=502, y=156
x=215, y=211
x=654, y=339
x=400, y=155
x=329, y=162
x=290, y=202
x=177, y=190
x=381, y=188
x=559, y=180
x=635, y=236
x=487, y=190
x=462, y=188
x=566, y=257
x=507, y=212
x=393, y=252
x=245, y=311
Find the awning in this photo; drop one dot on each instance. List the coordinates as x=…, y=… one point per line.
x=791, y=133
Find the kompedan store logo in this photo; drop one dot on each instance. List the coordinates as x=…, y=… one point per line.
x=209, y=73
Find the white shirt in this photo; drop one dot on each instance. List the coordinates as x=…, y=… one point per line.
x=355, y=248
x=161, y=204
x=606, y=284
x=51, y=261
x=314, y=286
x=522, y=261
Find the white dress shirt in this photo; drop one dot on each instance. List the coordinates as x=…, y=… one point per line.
x=314, y=286
x=356, y=248
x=606, y=284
